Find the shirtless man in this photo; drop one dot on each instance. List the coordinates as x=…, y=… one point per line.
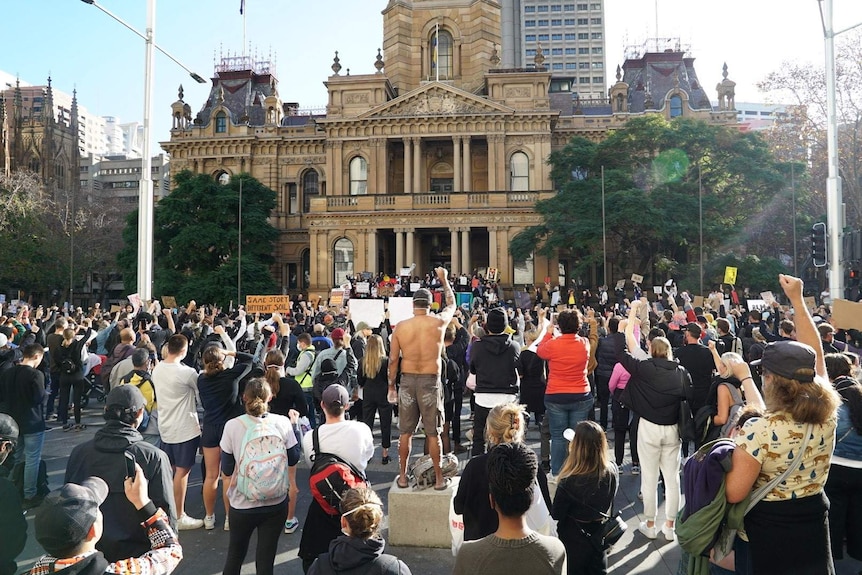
x=416, y=345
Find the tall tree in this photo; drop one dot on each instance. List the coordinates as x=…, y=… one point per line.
x=656, y=172
x=196, y=239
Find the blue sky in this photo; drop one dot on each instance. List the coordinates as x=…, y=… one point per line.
x=83, y=48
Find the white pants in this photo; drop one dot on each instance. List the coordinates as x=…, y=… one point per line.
x=658, y=449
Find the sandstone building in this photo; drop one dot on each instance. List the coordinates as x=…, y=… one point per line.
x=437, y=158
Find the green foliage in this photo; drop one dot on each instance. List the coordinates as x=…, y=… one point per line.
x=654, y=171
x=196, y=240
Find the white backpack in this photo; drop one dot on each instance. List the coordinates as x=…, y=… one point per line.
x=261, y=467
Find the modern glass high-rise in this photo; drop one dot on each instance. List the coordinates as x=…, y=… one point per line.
x=571, y=35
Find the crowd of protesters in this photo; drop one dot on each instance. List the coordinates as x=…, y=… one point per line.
x=556, y=359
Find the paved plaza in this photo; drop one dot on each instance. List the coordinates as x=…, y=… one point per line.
x=204, y=551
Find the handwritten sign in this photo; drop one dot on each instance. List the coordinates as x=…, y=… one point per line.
x=637, y=278
x=656, y=290
x=810, y=302
x=363, y=287
x=267, y=303
x=169, y=301
x=730, y=275
x=135, y=300
x=336, y=298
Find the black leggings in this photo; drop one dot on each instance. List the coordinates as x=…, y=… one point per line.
x=242, y=524
x=372, y=405
x=73, y=384
x=621, y=415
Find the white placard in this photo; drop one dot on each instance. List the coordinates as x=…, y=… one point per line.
x=414, y=286
x=555, y=298
x=368, y=310
x=656, y=290
x=637, y=278
x=620, y=284
x=400, y=308
x=768, y=297
x=756, y=304
x=363, y=287
x=405, y=272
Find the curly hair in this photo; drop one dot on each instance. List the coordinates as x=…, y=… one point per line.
x=806, y=402
x=511, y=477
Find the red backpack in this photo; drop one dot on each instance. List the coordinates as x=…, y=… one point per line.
x=331, y=477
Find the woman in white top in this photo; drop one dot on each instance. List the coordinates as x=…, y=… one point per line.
x=257, y=449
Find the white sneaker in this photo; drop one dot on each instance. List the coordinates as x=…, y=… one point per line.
x=636, y=469
x=669, y=532
x=186, y=523
x=649, y=532
x=209, y=522
x=226, y=524
x=290, y=525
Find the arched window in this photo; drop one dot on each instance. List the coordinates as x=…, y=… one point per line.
x=675, y=106
x=223, y=178
x=60, y=176
x=520, y=172
x=358, y=176
x=221, y=123
x=442, y=54
x=34, y=165
x=343, y=260
x=310, y=189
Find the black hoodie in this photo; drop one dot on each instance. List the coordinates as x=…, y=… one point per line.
x=355, y=556
x=657, y=386
x=103, y=457
x=495, y=360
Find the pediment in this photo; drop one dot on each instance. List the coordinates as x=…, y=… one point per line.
x=436, y=99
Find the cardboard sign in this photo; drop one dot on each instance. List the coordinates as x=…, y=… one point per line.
x=267, y=303
x=169, y=301
x=698, y=301
x=767, y=296
x=620, y=285
x=400, y=308
x=637, y=278
x=656, y=290
x=336, y=297
x=810, y=302
x=363, y=287
x=492, y=274
x=846, y=314
x=115, y=308
x=730, y=275
x=371, y=311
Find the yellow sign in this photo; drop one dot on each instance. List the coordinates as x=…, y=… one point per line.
x=267, y=303
x=730, y=275
x=336, y=297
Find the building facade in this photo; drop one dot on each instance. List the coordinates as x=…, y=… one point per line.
x=570, y=34
x=117, y=178
x=405, y=168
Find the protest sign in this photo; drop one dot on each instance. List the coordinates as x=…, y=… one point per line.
x=371, y=311
x=730, y=275
x=267, y=303
x=637, y=278
x=169, y=301
x=400, y=308
x=846, y=314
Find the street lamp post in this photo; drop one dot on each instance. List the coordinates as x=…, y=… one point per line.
x=145, y=186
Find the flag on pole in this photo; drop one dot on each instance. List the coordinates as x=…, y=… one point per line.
x=241, y=6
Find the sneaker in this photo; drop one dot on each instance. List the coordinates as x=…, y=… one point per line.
x=209, y=522
x=668, y=532
x=290, y=525
x=641, y=495
x=226, y=524
x=186, y=523
x=68, y=426
x=649, y=532
x=636, y=469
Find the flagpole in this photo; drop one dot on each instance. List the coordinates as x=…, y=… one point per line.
x=242, y=11
x=437, y=50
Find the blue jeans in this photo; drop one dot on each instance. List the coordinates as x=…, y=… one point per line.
x=30, y=452
x=312, y=407
x=560, y=417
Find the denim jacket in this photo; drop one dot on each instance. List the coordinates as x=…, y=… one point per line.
x=848, y=441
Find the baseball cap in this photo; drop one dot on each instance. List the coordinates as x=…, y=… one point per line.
x=423, y=297
x=787, y=358
x=67, y=514
x=336, y=395
x=337, y=334
x=4, y=341
x=125, y=397
x=8, y=428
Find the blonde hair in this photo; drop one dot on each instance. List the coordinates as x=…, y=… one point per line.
x=806, y=402
x=257, y=395
x=588, y=452
x=363, y=511
x=274, y=359
x=505, y=424
x=660, y=347
x=375, y=352
x=729, y=359
x=529, y=337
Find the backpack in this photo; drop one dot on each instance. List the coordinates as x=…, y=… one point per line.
x=329, y=375
x=67, y=362
x=134, y=378
x=261, y=468
x=331, y=477
x=422, y=476
x=737, y=346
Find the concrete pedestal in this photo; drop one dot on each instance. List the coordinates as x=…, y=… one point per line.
x=420, y=518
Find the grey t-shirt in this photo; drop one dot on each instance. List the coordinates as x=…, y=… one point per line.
x=535, y=554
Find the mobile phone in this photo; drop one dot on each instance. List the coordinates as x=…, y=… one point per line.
x=130, y=464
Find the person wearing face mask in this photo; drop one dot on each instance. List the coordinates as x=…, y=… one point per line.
x=360, y=548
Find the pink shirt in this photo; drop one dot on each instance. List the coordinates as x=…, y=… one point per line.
x=619, y=378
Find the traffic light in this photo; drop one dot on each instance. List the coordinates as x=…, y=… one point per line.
x=819, y=246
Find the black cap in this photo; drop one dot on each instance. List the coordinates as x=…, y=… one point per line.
x=126, y=397
x=422, y=296
x=66, y=515
x=790, y=359
x=8, y=428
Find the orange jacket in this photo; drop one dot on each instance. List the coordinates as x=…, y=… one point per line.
x=569, y=357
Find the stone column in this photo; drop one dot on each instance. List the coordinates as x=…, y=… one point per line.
x=456, y=154
x=371, y=257
x=337, y=184
x=465, y=250
x=417, y=166
x=500, y=153
x=399, y=249
x=410, y=250
x=468, y=166
x=492, y=246
x=455, y=250
x=313, y=263
x=408, y=166
x=493, y=185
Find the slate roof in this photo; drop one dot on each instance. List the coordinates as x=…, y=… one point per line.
x=654, y=72
x=244, y=94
